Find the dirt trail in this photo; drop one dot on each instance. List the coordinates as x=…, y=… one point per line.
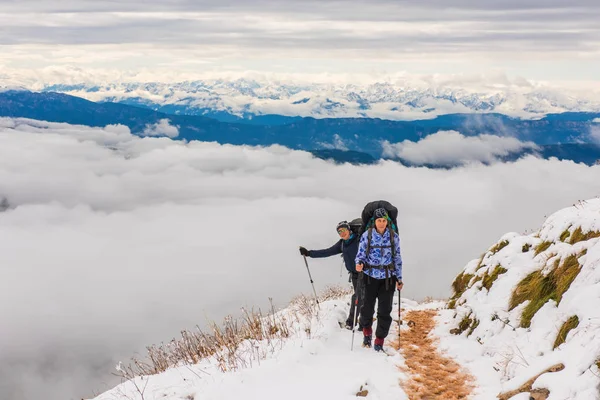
x=431, y=375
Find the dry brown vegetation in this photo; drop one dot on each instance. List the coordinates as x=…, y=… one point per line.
x=539, y=288
x=499, y=246
x=569, y=324
x=579, y=236
x=431, y=375
x=233, y=344
x=489, y=279
x=459, y=285
x=542, y=247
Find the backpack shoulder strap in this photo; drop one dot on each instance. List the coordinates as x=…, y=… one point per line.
x=368, y=250
x=393, y=248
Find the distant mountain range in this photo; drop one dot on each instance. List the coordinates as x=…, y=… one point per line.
x=245, y=100
x=358, y=140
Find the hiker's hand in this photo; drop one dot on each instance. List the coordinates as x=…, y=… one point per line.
x=303, y=251
x=399, y=285
x=359, y=267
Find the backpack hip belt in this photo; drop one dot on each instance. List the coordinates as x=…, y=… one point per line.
x=389, y=267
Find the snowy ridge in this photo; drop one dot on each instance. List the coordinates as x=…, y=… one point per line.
x=314, y=361
x=395, y=98
x=515, y=339
x=531, y=303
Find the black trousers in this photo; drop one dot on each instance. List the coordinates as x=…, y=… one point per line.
x=375, y=290
x=353, y=307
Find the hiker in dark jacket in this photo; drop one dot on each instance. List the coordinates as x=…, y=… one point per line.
x=379, y=257
x=348, y=247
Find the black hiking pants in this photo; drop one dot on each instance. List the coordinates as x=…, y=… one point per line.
x=375, y=290
x=353, y=307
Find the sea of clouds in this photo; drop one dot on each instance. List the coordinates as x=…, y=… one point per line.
x=111, y=242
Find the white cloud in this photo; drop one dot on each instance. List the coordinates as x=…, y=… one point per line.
x=554, y=41
x=338, y=143
x=114, y=242
x=452, y=148
x=162, y=128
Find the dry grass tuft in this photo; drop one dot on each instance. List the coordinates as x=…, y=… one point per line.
x=569, y=324
x=539, y=288
x=542, y=247
x=460, y=284
x=499, y=246
x=579, y=236
x=564, y=236
x=234, y=343
x=489, y=279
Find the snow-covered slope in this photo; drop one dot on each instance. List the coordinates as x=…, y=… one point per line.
x=524, y=323
x=532, y=303
x=400, y=98
x=310, y=358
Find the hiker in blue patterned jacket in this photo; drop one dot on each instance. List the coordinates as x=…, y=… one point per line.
x=348, y=247
x=379, y=258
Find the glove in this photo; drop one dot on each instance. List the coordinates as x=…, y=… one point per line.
x=303, y=251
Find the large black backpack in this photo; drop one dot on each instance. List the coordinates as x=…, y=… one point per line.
x=355, y=226
x=368, y=223
x=369, y=210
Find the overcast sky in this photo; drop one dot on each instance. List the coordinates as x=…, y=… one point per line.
x=544, y=40
x=116, y=242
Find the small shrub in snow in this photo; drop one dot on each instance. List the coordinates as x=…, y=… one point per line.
x=463, y=325
x=526, y=247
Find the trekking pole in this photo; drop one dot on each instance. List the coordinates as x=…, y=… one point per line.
x=312, y=283
x=356, y=306
x=399, y=314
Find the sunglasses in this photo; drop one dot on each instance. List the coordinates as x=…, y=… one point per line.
x=342, y=230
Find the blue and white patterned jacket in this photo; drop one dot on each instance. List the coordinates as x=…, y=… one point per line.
x=379, y=256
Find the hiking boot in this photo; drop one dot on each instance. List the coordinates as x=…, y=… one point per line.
x=366, y=341
x=378, y=344
x=349, y=325
x=367, y=332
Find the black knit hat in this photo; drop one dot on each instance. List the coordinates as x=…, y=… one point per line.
x=380, y=213
x=343, y=224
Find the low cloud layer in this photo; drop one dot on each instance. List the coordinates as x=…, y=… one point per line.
x=451, y=148
x=162, y=128
x=113, y=242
